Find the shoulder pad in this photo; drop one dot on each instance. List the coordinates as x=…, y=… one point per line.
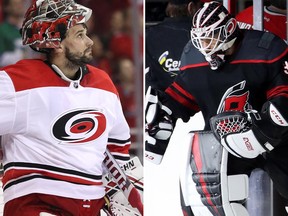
x=191, y=55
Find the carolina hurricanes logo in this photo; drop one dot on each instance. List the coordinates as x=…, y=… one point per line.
x=236, y=102
x=79, y=126
x=235, y=98
x=231, y=26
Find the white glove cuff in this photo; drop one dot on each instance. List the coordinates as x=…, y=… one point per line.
x=243, y=144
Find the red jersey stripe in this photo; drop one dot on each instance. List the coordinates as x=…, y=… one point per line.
x=119, y=149
x=194, y=65
x=180, y=99
x=278, y=91
x=260, y=60
x=188, y=100
x=182, y=91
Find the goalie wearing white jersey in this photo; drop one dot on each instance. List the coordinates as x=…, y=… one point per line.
x=58, y=117
x=239, y=80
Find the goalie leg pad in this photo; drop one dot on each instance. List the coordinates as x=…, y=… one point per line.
x=238, y=187
x=220, y=193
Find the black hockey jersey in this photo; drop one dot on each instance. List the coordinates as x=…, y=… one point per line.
x=164, y=44
x=255, y=73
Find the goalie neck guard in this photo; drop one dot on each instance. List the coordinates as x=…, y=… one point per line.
x=214, y=30
x=47, y=21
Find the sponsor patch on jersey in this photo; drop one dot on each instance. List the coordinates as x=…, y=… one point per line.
x=79, y=126
x=168, y=64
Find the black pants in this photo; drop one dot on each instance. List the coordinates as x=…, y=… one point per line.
x=274, y=163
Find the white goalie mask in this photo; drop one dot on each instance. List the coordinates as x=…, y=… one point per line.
x=214, y=30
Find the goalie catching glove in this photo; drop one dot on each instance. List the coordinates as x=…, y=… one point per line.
x=240, y=134
x=158, y=127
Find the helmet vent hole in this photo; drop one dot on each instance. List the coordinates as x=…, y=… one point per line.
x=51, y=13
x=29, y=32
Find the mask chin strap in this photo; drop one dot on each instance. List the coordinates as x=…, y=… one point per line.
x=215, y=60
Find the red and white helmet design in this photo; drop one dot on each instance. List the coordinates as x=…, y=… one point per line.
x=46, y=22
x=213, y=29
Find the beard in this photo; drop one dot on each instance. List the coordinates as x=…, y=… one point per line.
x=78, y=59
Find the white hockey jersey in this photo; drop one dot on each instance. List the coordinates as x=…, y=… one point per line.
x=55, y=131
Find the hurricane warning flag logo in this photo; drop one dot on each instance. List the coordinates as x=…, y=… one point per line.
x=79, y=126
x=235, y=98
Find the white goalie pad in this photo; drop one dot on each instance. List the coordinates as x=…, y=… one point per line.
x=118, y=205
x=189, y=193
x=206, y=188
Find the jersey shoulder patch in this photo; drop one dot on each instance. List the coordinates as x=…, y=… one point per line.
x=260, y=47
x=266, y=40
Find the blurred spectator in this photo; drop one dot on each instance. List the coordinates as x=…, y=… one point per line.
x=102, y=11
x=100, y=58
x=121, y=44
x=274, y=18
x=99, y=50
x=113, y=25
x=117, y=22
x=125, y=84
x=11, y=48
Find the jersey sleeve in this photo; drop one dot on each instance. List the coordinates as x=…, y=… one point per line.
x=119, y=136
x=182, y=104
x=277, y=94
x=7, y=104
x=277, y=91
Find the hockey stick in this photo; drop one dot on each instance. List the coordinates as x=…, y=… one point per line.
x=123, y=182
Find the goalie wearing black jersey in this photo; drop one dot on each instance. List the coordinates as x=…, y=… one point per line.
x=239, y=80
